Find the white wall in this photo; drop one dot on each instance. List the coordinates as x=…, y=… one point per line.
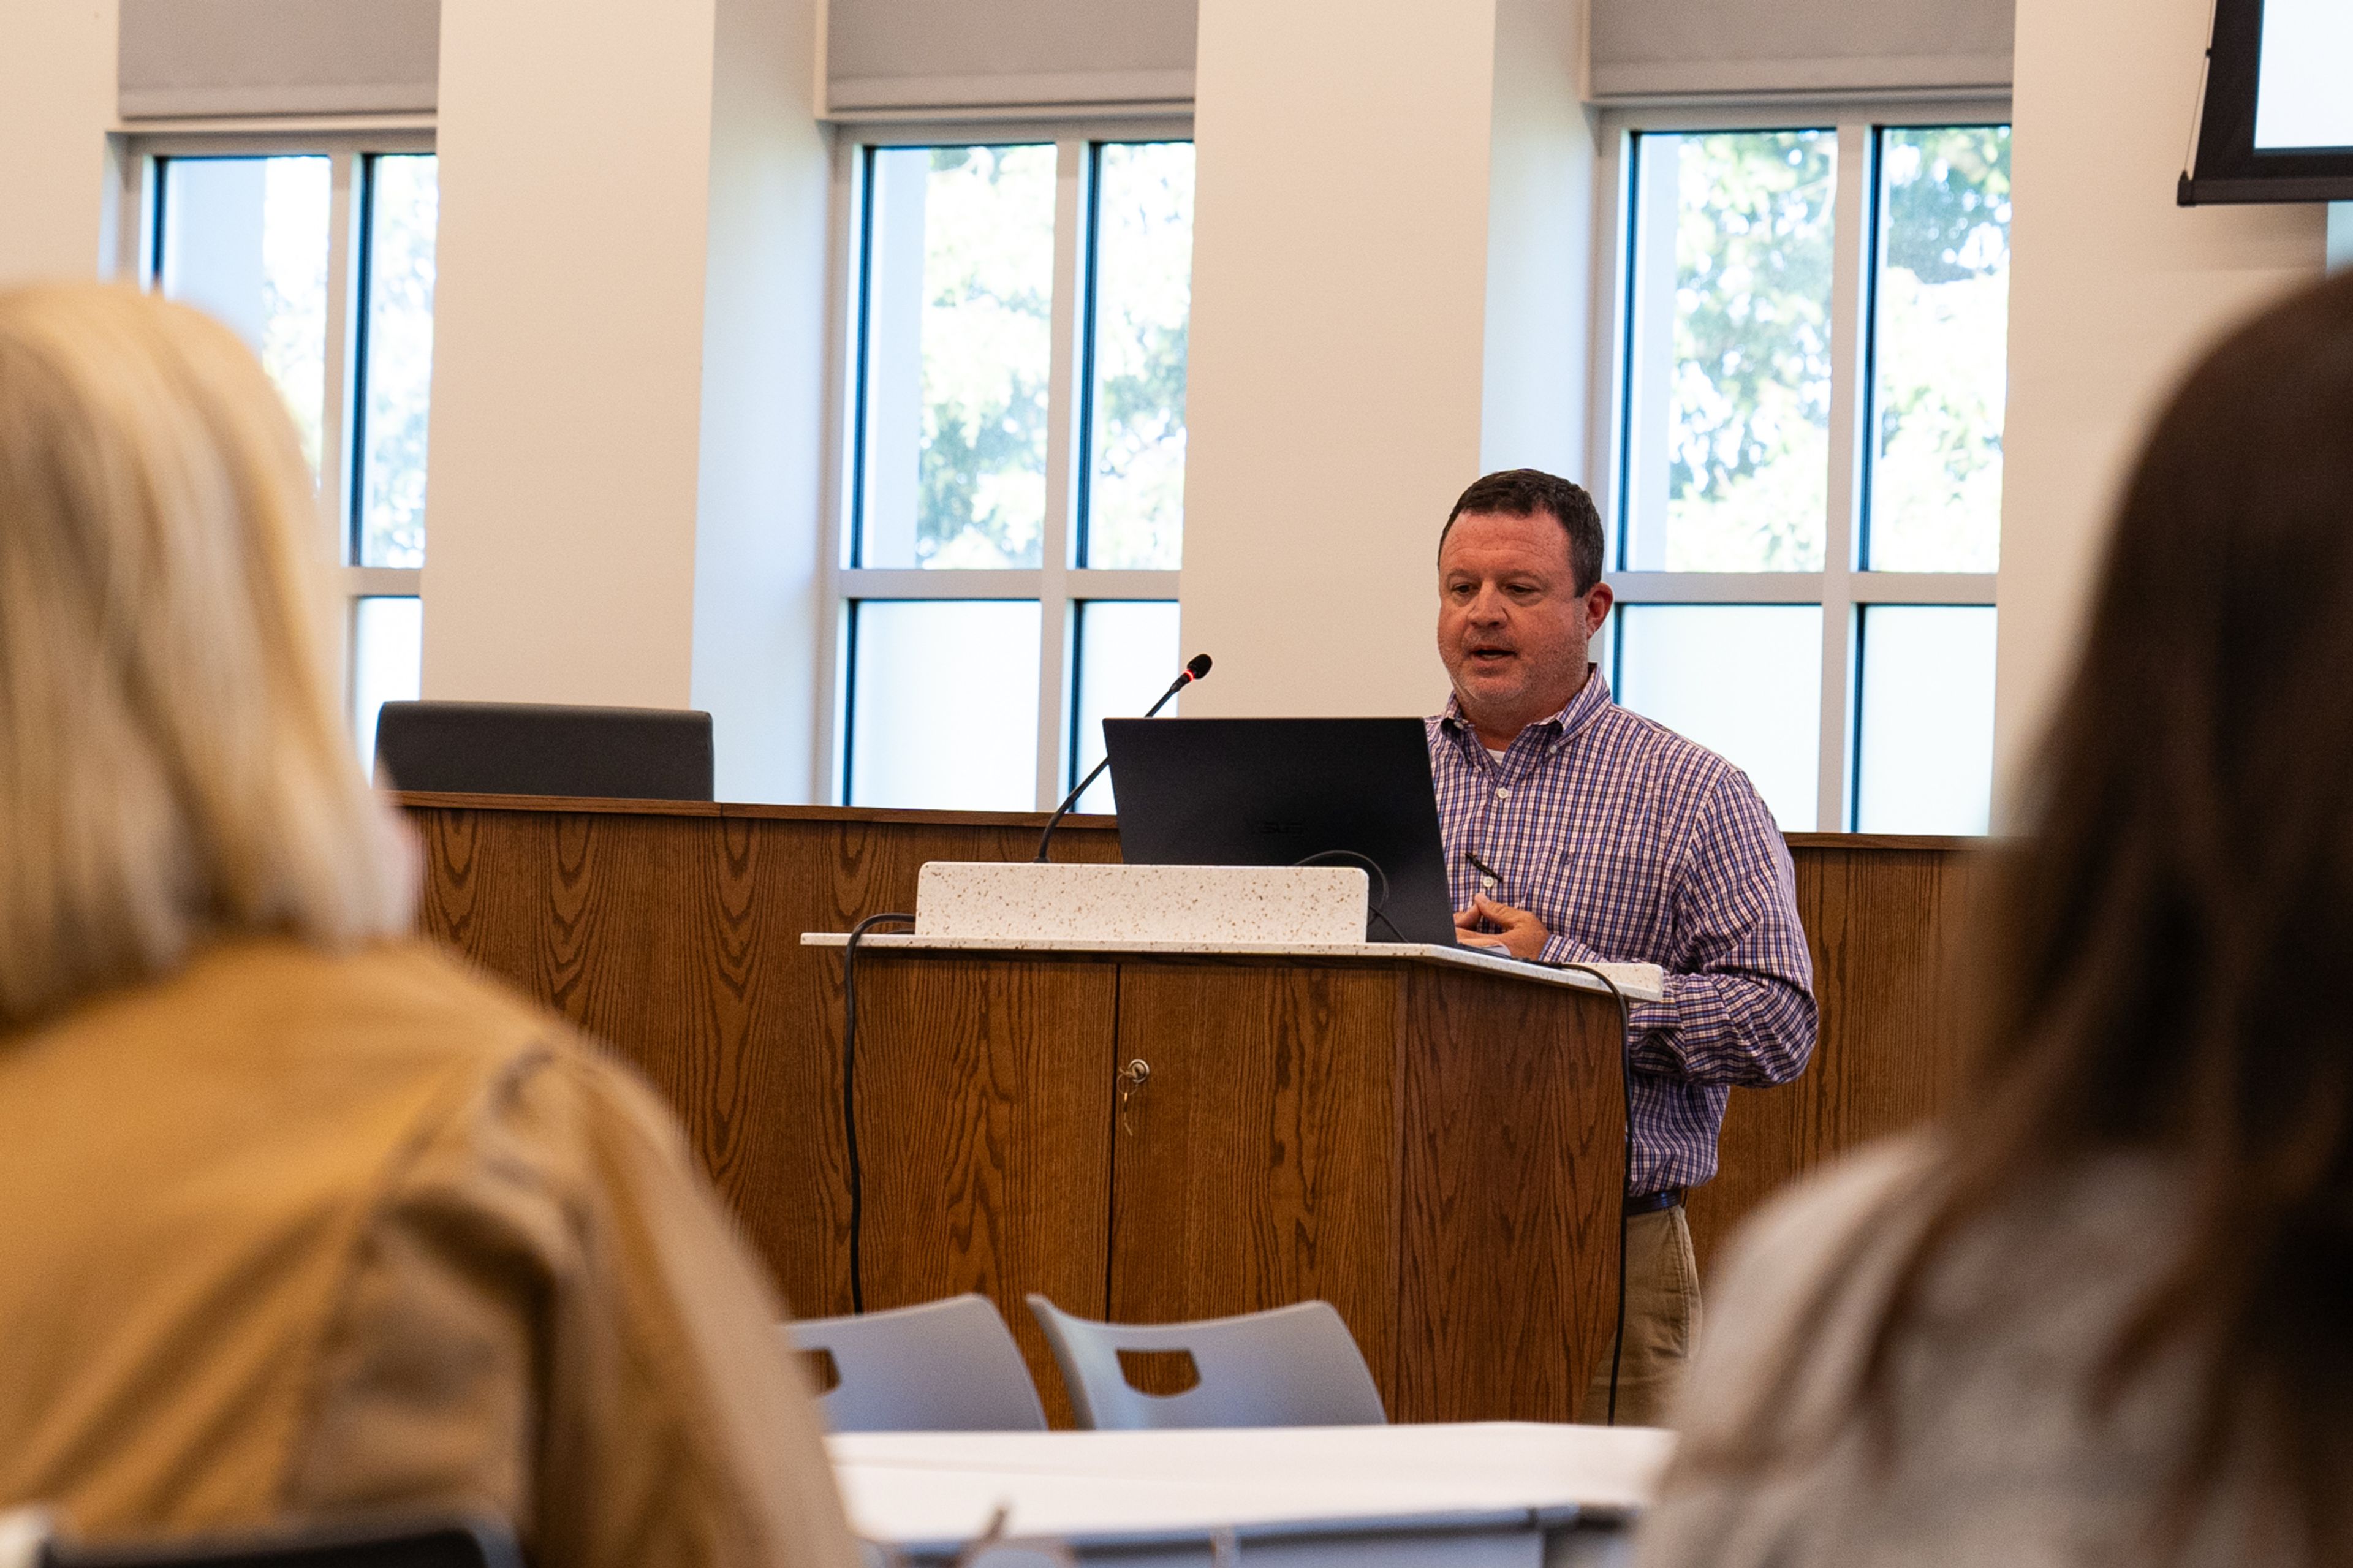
x=628, y=382
x=1340, y=379
x=574, y=153
x=1539, y=244
x=57, y=100
x=2113, y=290
x=757, y=589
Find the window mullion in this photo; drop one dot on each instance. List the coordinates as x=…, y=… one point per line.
x=1853, y=237
x=335, y=455
x=1064, y=389
x=336, y=458
x=845, y=326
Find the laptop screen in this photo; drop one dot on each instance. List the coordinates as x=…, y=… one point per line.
x=1278, y=792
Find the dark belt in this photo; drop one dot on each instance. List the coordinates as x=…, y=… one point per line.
x=1651, y=1203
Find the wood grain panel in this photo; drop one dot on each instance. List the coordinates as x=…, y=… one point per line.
x=1884, y=924
x=1513, y=1138
x=1257, y=1166
x=984, y=1102
x=673, y=933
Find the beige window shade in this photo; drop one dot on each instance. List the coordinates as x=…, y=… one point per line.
x=1702, y=48
x=189, y=58
x=896, y=56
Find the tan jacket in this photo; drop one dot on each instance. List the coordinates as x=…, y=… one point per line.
x=292, y=1234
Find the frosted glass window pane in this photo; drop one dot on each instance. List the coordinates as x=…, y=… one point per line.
x=404, y=204
x=1729, y=386
x=1127, y=656
x=387, y=657
x=1143, y=300
x=1941, y=351
x=959, y=336
x=943, y=704
x=1926, y=762
x=1743, y=680
x=245, y=239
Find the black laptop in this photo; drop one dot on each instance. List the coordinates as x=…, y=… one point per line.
x=1275, y=791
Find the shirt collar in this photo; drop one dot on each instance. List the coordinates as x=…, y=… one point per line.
x=1580, y=710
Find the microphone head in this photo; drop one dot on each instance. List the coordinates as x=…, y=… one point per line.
x=1198, y=666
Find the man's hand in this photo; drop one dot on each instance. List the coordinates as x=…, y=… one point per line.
x=1487, y=923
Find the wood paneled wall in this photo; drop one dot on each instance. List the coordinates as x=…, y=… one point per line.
x=1883, y=916
x=673, y=933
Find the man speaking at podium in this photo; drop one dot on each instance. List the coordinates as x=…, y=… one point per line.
x=1577, y=831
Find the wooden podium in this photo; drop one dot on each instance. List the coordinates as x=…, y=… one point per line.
x=672, y=931
x=1430, y=1141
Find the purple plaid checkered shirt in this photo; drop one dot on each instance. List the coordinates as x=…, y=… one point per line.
x=1633, y=844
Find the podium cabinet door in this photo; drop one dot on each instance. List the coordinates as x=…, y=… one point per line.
x=1513, y=1161
x=1257, y=1164
x=984, y=1091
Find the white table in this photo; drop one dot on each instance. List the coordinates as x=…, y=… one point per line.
x=1499, y=1493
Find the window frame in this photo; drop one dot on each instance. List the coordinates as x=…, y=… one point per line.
x=1844, y=588
x=139, y=238
x=1059, y=585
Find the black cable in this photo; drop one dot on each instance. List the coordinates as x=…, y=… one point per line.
x=1379, y=903
x=849, y=1097
x=1626, y=1177
x=1046, y=840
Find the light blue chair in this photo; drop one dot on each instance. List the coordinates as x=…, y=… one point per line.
x=1294, y=1367
x=945, y=1366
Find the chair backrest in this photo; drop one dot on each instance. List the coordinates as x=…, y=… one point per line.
x=1294, y=1367
x=534, y=748
x=945, y=1366
x=395, y=1543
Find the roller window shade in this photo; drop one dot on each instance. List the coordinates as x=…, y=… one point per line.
x=200, y=59
x=1702, y=48
x=951, y=54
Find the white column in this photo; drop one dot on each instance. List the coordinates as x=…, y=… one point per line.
x=57, y=105
x=628, y=391
x=575, y=141
x=2114, y=289
x=1366, y=183
x=758, y=593
x=1532, y=411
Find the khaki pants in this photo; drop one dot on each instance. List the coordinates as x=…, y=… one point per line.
x=1661, y=1321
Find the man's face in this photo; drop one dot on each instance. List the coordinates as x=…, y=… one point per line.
x=1512, y=627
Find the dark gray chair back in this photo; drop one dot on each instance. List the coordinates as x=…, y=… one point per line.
x=531, y=748
x=1294, y=1367
x=945, y=1366
x=391, y=1544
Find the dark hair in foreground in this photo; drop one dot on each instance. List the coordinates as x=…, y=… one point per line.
x=2162, y=953
x=1523, y=492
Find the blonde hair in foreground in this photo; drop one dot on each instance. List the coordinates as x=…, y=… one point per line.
x=172, y=770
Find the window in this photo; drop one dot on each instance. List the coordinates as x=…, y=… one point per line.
x=1806, y=412
x=320, y=254
x=1013, y=461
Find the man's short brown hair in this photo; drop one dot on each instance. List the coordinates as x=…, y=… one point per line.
x=1523, y=492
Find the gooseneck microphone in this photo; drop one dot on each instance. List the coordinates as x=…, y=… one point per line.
x=1195, y=669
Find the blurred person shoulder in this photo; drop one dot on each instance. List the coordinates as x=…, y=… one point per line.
x=1990, y=1450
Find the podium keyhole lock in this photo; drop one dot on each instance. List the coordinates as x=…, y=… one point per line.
x=1132, y=1080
